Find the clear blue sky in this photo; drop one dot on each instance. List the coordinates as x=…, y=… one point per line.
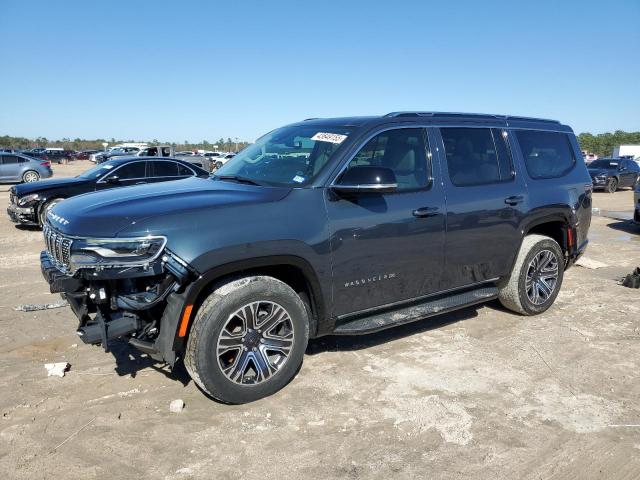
x=201, y=70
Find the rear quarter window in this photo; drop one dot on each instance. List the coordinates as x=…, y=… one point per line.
x=546, y=154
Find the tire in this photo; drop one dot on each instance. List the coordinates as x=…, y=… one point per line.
x=612, y=185
x=46, y=207
x=30, y=176
x=531, y=297
x=218, y=320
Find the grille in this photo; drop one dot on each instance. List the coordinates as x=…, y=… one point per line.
x=58, y=247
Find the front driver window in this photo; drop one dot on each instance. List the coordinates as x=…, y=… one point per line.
x=131, y=171
x=402, y=150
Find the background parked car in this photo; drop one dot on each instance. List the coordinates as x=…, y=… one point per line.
x=84, y=154
x=222, y=159
x=16, y=167
x=115, y=152
x=59, y=154
x=613, y=173
x=30, y=203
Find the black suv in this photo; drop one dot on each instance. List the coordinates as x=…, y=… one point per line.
x=335, y=226
x=610, y=174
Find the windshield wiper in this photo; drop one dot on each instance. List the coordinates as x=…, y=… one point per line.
x=238, y=179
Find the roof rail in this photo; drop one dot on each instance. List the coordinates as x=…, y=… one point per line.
x=312, y=118
x=468, y=115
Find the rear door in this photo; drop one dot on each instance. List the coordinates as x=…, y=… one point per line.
x=11, y=169
x=627, y=173
x=486, y=204
x=165, y=170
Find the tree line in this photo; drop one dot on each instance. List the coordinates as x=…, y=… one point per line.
x=22, y=143
x=601, y=144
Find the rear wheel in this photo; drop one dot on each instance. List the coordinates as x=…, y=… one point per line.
x=536, y=277
x=247, y=340
x=30, y=176
x=612, y=185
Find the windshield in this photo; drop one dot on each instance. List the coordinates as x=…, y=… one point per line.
x=97, y=171
x=604, y=164
x=288, y=156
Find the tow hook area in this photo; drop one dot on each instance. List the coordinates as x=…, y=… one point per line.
x=108, y=326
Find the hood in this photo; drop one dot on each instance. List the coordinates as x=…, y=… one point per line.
x=42, y=185
x=105, y=213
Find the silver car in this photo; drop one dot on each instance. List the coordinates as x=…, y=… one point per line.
x=16, y=168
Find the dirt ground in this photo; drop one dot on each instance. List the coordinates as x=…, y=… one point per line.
x=480, y=393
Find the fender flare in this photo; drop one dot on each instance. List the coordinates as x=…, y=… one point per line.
x=178, y=317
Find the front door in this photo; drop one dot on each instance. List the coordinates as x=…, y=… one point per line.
x=486, y=203
x=387, y=247
x=132, y=173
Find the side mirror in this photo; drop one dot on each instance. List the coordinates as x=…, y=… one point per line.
x=113, y=179
x=367, y=179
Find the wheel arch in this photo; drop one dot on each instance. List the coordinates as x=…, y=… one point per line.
x=556, y=225
x=290, y=269
x=44, y=201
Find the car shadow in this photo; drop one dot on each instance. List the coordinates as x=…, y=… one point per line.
x=28, y=228
x=627, y=226
x=346, y=343
x=130, y=360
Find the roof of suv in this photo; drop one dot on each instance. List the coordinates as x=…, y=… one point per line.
x=439, y=118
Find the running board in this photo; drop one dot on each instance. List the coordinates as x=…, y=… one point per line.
x=424, y=309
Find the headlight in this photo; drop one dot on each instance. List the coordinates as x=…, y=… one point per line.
x=27, y=200
x=97, y=252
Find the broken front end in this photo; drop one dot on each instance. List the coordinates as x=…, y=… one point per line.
x=129, y=288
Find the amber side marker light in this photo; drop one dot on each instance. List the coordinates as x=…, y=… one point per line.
x=184, y=323
x=569, y=238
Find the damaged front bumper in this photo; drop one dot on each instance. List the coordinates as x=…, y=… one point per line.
x=138, y=304
x=22, y=215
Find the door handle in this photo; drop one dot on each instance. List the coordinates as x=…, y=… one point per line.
x=425, y=212
x=514, y=200
x=140, y=183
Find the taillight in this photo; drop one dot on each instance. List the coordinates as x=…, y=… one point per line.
x=45, y=164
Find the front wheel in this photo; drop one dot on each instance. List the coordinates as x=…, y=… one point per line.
x=536, y=277
x=30, y=176
x=612, y=185
x=247, y=340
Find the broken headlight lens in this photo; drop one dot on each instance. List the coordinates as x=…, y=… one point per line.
x=27, y=200
x=107, y=252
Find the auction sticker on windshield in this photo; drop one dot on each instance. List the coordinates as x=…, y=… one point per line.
x=329, y=137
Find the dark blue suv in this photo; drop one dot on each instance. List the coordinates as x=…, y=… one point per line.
x=327, y=226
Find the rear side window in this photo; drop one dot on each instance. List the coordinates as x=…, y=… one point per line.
x=477, y=156
x=184, y=171
x=546, y=154
x=9, y=159
x=164, y=169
